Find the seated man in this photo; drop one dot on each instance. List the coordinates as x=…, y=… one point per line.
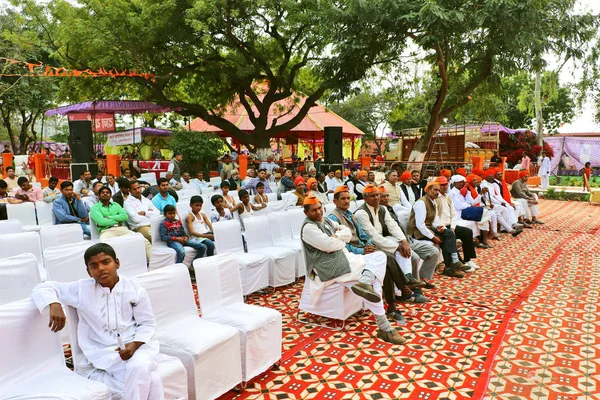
x=463, y=200
x=51, y=193
x=328, y=261
x=27, y=192
x=69, y=209
x=6, y=198
x=176, y=185
x=296, y=199
x=139, y=211
x=111, y=182
x=262, y=177
x=528, y=201
x=500, y=183
x=11, y=179
x=110, y=219
x=83, y=185
x=92, y=198
x=313, y=188
x=395, y=193
x=409, y=188
x=200, y=183
x=123, y=193
x=163, y=197
x=360, y=184
x=99, y=177
x=507, y=216
x=124, y=353
x=186, y=182
x=425, y=225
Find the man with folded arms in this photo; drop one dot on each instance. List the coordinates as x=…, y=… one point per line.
x=328, y=261
x=424, y=225
x=140, y=211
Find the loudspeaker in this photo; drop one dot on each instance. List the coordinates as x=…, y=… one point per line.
x=325, y=168
x=333, y=145
x=80, y=141
x=78, y=168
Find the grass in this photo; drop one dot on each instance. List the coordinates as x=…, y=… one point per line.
x=574, y=181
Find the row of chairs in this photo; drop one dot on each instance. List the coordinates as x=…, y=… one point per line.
x=231, y=343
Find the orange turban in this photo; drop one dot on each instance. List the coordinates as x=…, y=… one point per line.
x=370, y=188
x=362, y=173
x=523, y=174
x=310, y=182
x=301, y=168
x=442, y=180
x=298, y=180
x=472, y=177
x=461, y=171
x=381, y=189
x=488, y=172
x=342, y=188
x=477, y=171
x=311, y=199
x=446, y=172
x=405, y=175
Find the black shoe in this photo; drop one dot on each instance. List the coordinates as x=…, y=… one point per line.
x=397, y=316
x=429, y=286
x=517, y=232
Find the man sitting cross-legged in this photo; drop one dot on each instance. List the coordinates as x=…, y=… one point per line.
x=424, y=224
x=111, y=220
x=525, y=198
x=111, y=308
x=328, y=261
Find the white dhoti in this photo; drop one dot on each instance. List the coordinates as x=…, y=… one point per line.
x=503, y=216
x=529, y=210
x=545, y=181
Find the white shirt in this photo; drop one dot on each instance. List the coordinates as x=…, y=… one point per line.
x=81, y=184
x=114, y=188
x=460, y=202
x=411, y=195
x=375, y=230
x=198, y=184
x=360, y=186
x=446, y=212
x=134, y=206
x=420, y=214
x=291, y=200
x=331, y=183
x=90, y=200
x=102, y=314
x=323, y=198
x=186, y=185
x=545, y=166
x=269, y=167
x=494, y=191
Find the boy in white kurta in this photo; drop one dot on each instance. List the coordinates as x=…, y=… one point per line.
x=111, y=309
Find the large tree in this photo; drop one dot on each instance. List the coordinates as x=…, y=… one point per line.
x=268, y=56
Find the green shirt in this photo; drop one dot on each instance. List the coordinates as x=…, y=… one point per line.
x=107, y=216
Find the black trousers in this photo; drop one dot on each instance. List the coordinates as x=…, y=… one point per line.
x=466, y=237
x=393, y=278
x=448, y=245
x=3, y=215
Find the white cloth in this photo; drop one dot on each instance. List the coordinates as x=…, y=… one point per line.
x=291, y=201
x=375, y=230
x=269, y=167
x=199, y=224
x=411, y=195
x=114, y=188
x=198, y=184
x=188, y=185
x=332, y=183
x=134, y=206
x=420, y=215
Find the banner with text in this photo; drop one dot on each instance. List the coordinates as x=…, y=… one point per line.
x=122, y=138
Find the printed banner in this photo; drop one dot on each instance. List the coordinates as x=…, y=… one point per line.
x=103, y=122
x=122, y=138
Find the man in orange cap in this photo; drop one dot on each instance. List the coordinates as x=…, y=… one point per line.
x=461, y=171
x=296, y=199
x=361, y=181
x=328, y=261
x=528, y=201
x=424, y=225
x=411, y=192
x=446, y=173
x=312, y=186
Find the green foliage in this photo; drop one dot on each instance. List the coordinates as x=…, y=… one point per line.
x=199, y=149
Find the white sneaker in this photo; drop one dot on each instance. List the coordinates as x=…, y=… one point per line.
x=472, y=265
x=470, y=270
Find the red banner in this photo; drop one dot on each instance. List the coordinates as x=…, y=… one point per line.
x=103, y=122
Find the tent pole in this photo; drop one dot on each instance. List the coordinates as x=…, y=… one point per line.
x=352, y=149
x=314, y=146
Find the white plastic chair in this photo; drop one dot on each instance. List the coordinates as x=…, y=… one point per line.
x=44, y=213
x=210, y=352
x=131, y=252
x=189, y=192
x=149, y=177
x=297, y=218
x=161, y=252
x=272, y=196
x=170, y=369
x=18, y=276
x=24, y=212
x=59, y=235
x=254, y=268
x=65, y=263
x=14, y=244
x=183, y=209
x=10, y=226
x=353, y=206
x=285, y=195
x=282, y=266
x=36, y=184
x=221, y=301
x=281, y=232
x=359, y=203
x=215, y=181
x=330, y=197
x=33, y=363
x=329, y=208
x=94, y=234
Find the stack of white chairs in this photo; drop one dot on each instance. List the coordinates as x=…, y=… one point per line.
x=10, y=226
x=254, y=268
x=221, y=301
x=170, y=369
x=210, y=352
x=59, y=235
x=24, y=212
x=33, y=363
x=14, y=244
x=161, y=253
x=281, y=232
x=65, y=263
x=44, y=213
x=282, y=265
x=18, y=276
x=131, y=252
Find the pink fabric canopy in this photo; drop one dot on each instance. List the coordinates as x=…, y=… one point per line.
x=111, y=106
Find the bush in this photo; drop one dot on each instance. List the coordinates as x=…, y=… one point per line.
x=200, y=150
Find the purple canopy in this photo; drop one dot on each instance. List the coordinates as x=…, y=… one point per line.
x=145, y=131
x=111, y=106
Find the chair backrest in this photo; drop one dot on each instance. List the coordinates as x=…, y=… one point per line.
x=59, y=235
x=296, y=220
x=65, y=263
x=215, y=181
x=149, y=177
x=36, y=184
x=183, y=208
x=228, y=237
x=258, y=234
x=285, y=195
x=206, y=204
x=330, y=197
x=353, y=206
x=131, y=252
x=329, y=208
x=28, y=346
x=14, y=244
x=10, y=226
x=79, y=359
x=170, y=292
x=44, y=213
x=281, y=230
x=272, y=196
x=359, y=203
x=24, y=212
x=94, y=234
x=188, y=193
x=155, y=231
x=18, y=276
x=219, y=283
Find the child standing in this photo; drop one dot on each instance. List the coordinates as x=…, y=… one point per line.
x=587, y=174
x=171, y=231
x=199, y=225
x=261, y=197
x=111, y=308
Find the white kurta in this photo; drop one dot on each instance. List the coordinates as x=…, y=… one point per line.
x=461, y=202
x=544, y=172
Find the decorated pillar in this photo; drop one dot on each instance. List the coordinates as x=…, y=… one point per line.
x=243, y=162
x=40, y=163
x=365, y=162
x=352, y=150
x=7, y=160
x=477, y=162
x=113, y=164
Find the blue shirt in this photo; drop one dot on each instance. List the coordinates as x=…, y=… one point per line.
x=360, y=234
x=62, y=210
x=160, y=202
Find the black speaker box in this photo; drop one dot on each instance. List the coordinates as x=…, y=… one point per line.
x=325, y=168
x=80, y=141
x=78, y=168
x=333, y=145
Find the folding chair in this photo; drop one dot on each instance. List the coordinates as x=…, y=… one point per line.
x=24, y=212
x=18, y=276
x=44, y=213
x=161, y=253
x=254, y=268
x=14, y=244
x=65, y=263
x=281, y=232
x=210, y=352
x=131, y=252
x=10, y=226
x=282, y=268
x=59, y=235
x=297, y=218
x=33, y=363
x=221, y=301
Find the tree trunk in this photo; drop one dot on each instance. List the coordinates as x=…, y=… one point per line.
x=539, y=119
x=263, y=147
